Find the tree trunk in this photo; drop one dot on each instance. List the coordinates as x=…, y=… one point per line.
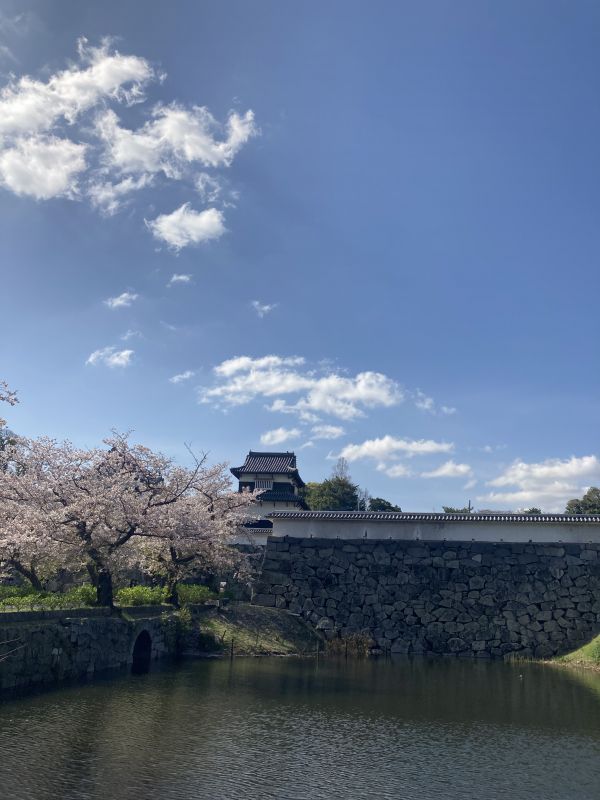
x=172, y=593
x=28, y=573
x=102, y=581
x=104, y=589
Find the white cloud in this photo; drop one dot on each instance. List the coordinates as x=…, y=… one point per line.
x=42, y=167
x=179, y=278
x=245, y=364
x=123, y=300
x=184, y=226
x=449, y=470
x=208, y=187
x=327, y=432
x=173, y=139
x=395, y=471
x=60, y=137
x=262, y=309
x=29, y=106
x=245, y=378
x=183, y=376
x=388, y=447
x=110, y=197
x=279, y=436
x=547, y=484
x=131, y=334
x=448, y=410
x=110, y=357
x=425, y=403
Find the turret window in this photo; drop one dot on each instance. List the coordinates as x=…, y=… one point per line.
x=263, y=483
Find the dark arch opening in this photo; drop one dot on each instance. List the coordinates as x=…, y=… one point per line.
x=142, y=652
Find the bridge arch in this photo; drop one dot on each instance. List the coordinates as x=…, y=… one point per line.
x=141, y=654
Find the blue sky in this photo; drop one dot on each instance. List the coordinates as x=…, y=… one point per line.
x=382, y=220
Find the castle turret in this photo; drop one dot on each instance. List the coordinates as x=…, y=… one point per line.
x=275, y=479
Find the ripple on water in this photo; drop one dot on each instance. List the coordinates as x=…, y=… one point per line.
x=297, y=730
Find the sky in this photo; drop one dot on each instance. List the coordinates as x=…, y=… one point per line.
x=353, y=229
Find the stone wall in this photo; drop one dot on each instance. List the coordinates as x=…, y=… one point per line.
x=51, y=646
x=478, y=599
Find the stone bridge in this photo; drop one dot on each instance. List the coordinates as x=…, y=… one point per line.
x=413, y=583
x=44, y=647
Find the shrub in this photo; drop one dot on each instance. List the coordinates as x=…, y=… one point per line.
x=16, y=591
x=190, y=593
x=141, y=596
x=27, y=599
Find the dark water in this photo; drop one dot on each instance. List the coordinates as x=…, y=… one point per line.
x=298, y=730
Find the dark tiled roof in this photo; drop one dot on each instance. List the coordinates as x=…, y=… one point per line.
x=393, y=516
x=269, y=463
x=282, y=497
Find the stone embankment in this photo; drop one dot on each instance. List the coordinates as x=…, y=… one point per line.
x=479, y=599
x=44, y=647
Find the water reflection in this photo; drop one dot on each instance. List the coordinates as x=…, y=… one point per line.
x=296, y=729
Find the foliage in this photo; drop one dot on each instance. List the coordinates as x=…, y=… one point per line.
x=533, y=511
x=155, y=595
x=79, y=597
x=333, y=494
x=141, y=596
x=379, y=504
x=452, y=510
x=588, y=504
x=16, y=591
x=190, y=593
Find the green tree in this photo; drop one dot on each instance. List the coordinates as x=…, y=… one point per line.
x=533, y=511
x=588, y=504
x=333, y=494
x=336, y=493
x=452, y=510
x=379, y=504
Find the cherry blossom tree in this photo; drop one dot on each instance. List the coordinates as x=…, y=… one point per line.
x=112, y=509
x=7, y=396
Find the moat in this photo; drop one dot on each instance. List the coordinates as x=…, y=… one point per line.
x=300, y=729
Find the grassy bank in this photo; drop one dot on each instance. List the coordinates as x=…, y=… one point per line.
x=254, y=630
x=587, y=656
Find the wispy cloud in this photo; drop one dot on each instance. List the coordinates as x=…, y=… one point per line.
x=262, y=309
x=110, y=357
x=279, y=436
x=110, y=197
x=177, y=278
x=449, y=470
x=388, y=447
x=425, y=403
x=131, y=334
x=208, y=187
x=182, y=376
x=242, y=379
x=123, y=300
x=395, y=470
x=327, y=431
